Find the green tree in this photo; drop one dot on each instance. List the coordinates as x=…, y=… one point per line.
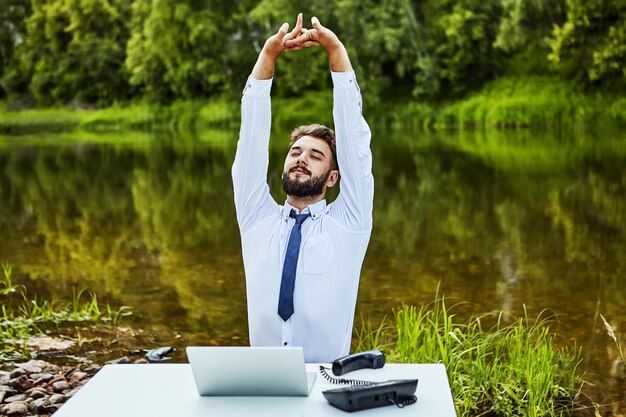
x=74, y=51
x=590, y=47
x=522, y=33
x=13, y=14
x=384, y=39
x=182, y=49
x=459, y=37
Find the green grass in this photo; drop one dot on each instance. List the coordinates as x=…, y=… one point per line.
x=7, y=284
x=507, y=369
x=312, y=107
x=518, y=102
x=24, y=315
x=34, y=120
x=178, y=115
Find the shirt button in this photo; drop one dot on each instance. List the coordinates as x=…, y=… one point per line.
x=285, y=344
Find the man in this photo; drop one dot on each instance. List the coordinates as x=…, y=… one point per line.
x=303, y=259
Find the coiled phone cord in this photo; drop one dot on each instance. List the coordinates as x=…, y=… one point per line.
x=402, y=402
x=399, y=402
x=342, y=380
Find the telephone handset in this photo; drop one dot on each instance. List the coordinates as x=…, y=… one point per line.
x=373, y=359
x=361, y=395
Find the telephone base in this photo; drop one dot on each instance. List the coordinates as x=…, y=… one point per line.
x=354, y=398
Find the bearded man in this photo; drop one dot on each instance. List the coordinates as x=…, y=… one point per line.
x=302, y=259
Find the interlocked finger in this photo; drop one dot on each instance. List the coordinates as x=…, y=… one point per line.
x=297, y=30
x=303, y=44
x=289, y=37
x=309, y=35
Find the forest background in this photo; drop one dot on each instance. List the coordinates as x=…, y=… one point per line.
x=424, y=54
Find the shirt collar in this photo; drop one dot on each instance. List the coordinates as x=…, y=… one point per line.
x=316, y=209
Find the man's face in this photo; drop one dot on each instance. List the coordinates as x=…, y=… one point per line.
x=308, y=168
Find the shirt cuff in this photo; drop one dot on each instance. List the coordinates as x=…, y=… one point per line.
x=344, y=80
x=257, y=88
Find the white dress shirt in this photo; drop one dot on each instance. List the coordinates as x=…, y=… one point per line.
x=334, y=238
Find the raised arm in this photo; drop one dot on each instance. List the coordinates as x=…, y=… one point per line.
x=353, y=207
x=354, y=204
x=249, y=171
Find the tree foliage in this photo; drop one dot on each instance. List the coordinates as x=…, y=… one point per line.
x=591, y=45
x=98, y=52
x=13, y=14
x=74, y=51
x=175, y=49
x=524, y=27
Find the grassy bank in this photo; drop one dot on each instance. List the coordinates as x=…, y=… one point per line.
x=517, y=103
x=512, y=369
x=178, y=115
x=25, y=316
x=503, y=103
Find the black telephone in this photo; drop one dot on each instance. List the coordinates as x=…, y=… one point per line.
x=361, y=395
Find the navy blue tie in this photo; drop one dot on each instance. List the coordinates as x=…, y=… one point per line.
x=287, y=283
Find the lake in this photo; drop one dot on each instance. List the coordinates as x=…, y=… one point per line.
x=499, y=220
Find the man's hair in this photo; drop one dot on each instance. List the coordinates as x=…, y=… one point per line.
x=321, y=132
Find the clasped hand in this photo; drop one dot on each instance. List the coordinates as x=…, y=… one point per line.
x=301, y=37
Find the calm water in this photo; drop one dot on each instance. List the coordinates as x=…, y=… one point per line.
x=499, y=219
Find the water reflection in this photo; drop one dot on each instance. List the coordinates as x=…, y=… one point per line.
x=501, y=219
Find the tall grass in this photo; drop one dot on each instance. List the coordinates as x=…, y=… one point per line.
x=6, y=282
x=33, y=120
x=28, y=315
x=182, y=114
x=517, y=102
x=512, y=369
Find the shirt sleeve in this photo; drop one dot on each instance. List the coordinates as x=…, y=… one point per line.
x=253, y=200
x=354, y=204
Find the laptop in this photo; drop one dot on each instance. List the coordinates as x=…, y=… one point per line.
x=250, y=371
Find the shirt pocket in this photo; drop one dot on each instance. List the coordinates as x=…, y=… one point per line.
x=317, y=254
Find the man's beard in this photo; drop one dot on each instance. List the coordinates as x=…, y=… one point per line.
x=314, y=186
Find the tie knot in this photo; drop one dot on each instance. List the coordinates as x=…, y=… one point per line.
x=299, y=217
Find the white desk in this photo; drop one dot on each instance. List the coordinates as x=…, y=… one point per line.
x=168, y=390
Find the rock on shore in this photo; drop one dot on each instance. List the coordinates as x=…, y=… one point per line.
x=38, y=387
